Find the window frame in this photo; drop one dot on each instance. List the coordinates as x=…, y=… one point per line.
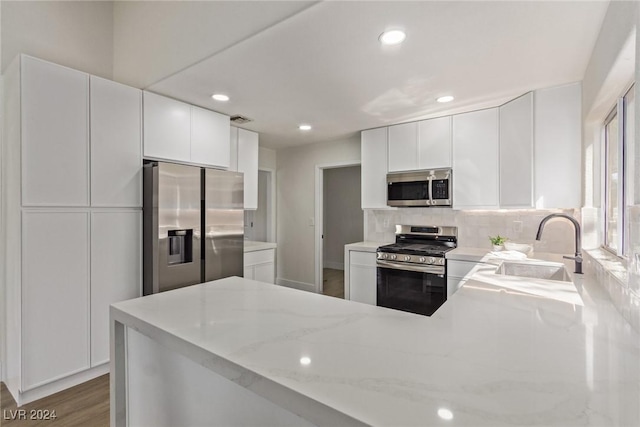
x=618, y=111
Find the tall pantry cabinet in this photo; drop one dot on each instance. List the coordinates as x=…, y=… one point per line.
x=72, y=218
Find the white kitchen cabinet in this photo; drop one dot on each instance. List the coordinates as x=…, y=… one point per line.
x=475, y=160
x=233, y=149
x=116, y=271
x=167, y=128
x=55, y=291
x=248, y=164
x=116, y=144
x=260, y=265
x=373, y=152
x=557, y=147
x=210, y=134
x=403, y=147
x=434, y=143
x=55, y=134
x=362, y=277
x=456, y=272
x=516, y=153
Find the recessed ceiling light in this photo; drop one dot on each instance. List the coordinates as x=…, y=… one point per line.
x=445, y=414
x=220, y=97
x=392, y=37
x=304, y=127
x=305, y=360
x=447, y=98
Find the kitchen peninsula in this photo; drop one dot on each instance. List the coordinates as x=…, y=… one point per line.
x=503, y=350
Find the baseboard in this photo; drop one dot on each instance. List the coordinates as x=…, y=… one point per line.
x=310, y=287
x=61, y=384
x=334, y=265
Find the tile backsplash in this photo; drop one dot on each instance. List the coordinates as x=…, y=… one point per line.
x=475, y=227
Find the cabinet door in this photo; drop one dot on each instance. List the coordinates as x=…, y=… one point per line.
x=116, y=271
x=233, y=149
x=403, y=147
x=434, y=143
x=167, y=128
x=55, y=135
x=373, y=151
x=210, y=132
x=362, y=277
x=264, y=272
x=116, y=144
x=475, y=159
x=248, y=272
x=55, y=296
x=558, y=145
x=248, y=164
x=516, y=153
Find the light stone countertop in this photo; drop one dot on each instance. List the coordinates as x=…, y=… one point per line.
x=251, y=246
x=501, y=351
x=364, y=246
x=467, y=254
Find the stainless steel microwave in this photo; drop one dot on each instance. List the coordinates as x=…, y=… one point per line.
x=420, y=188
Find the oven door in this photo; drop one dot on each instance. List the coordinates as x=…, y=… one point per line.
x=416, y=289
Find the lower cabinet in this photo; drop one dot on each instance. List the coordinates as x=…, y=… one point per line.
x=74, y=265
x=361, y=280
x=260, y=265
x=116, y=271
x=456, y=271
x=55, y=292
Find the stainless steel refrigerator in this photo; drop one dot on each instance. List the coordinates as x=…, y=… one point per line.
x=193, y=225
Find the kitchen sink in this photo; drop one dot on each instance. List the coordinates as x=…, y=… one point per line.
x=544, y=271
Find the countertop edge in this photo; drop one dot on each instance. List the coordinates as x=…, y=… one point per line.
x=279, y=394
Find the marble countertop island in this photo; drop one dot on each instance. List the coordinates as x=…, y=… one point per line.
x=503, y=350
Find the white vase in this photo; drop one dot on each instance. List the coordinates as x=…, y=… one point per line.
x=498, y=248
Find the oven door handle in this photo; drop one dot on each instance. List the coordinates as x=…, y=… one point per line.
x=408, y=267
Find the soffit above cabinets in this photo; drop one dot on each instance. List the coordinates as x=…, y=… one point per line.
x=325, y=66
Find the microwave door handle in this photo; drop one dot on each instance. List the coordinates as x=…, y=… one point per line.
x=430, y=192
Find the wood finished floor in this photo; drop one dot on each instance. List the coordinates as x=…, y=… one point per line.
x=85, y=405
x=333, y=282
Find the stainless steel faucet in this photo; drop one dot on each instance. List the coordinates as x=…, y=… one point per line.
x=578, y=236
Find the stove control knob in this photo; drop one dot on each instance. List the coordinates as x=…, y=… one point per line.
x=393, y=257
x=385, y=256
x=431, y=260
x=407, y=258
x=423, y=259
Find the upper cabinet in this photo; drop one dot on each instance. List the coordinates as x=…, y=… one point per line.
x=116, y=144
x=475, y=160
x=516, y=153
x=403, y=147
x=233, y=149
x=434, y=143
x=210, y=137
x=167, y=128
x=558, y=144
x=420, y=145
x=177, y=131
x=373, y=151
x=55, y=134
x=248, y=164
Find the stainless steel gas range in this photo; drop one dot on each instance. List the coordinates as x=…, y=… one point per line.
x=412, y=273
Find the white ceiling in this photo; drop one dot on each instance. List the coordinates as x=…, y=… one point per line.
x=324, y=65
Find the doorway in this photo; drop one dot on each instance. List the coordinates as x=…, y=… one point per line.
x=339, y=221
x=259, y=224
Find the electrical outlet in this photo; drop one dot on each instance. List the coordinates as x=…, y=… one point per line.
x=312, y=222
x=385, y=223
x=517, y=226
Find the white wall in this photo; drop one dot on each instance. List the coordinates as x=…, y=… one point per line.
x=77, y=34
x=296, y=205
x=266, y=158
x=343, y=219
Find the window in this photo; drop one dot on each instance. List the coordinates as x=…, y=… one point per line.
x=618, y=137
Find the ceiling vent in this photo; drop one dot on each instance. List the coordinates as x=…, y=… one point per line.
x=240, y=119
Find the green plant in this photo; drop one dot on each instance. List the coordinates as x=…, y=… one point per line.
x=498, y=240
